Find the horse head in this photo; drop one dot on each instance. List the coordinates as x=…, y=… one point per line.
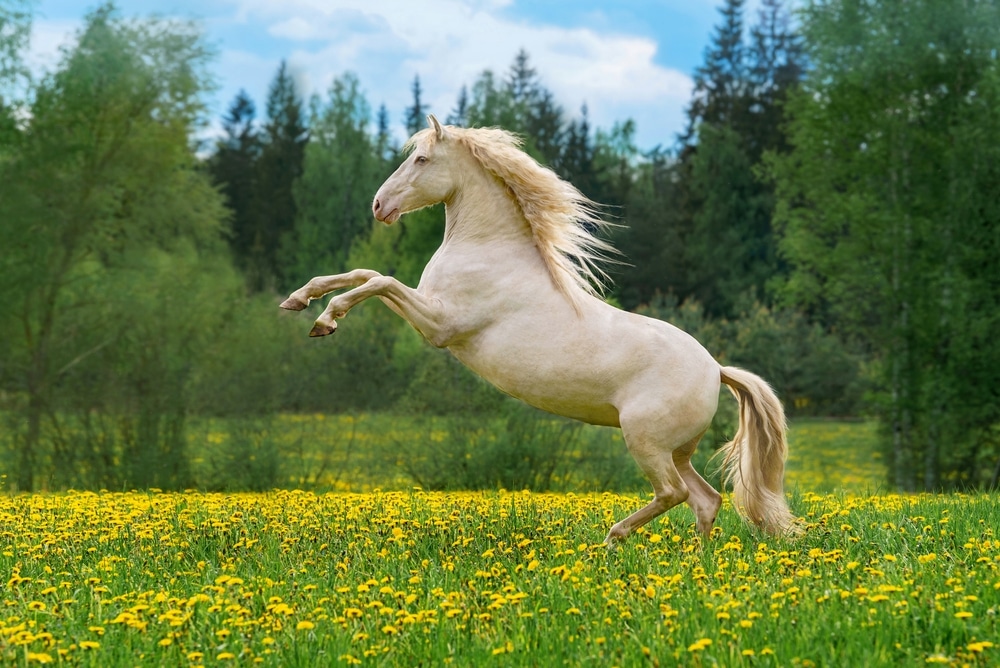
x=426, y=177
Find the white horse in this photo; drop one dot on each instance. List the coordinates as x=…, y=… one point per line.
x=511, y=293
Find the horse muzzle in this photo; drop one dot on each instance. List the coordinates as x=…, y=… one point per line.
x=384, y=213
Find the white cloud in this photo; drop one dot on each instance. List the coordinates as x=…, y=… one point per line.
x=448, y=43
x=47, y=36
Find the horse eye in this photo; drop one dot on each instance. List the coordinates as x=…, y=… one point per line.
x=421, y=159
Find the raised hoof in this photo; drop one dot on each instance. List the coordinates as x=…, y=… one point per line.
x=293, y=304
x=322, y=330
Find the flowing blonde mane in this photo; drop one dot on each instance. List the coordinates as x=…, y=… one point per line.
x=562, y=219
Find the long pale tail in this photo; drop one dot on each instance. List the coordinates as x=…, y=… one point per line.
x=754, y=461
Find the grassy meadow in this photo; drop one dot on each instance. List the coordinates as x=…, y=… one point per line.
x=412, y=577
x=366, y=452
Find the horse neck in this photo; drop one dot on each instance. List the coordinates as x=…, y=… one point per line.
x=480, y=210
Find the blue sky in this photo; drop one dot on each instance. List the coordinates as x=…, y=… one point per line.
x=623, y=58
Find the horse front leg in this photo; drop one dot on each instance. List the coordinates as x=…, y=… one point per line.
x=322, y=285
x=425, y=314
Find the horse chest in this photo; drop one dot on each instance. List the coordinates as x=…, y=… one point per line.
x=474, y=279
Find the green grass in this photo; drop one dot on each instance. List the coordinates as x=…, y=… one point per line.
x=834, y=455
x=492, y=579
x=366, y=452
x=408, y=577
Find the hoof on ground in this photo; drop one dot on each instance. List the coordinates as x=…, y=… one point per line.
x=293, y=304
x=615, y=536
x=322, y=330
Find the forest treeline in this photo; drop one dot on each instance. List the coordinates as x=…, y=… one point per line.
x=829, y=218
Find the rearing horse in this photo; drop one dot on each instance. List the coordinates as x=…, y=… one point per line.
x=510, y=292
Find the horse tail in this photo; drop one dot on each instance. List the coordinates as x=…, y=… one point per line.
x=754, y=461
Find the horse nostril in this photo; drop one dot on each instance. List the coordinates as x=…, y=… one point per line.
x=376, y=206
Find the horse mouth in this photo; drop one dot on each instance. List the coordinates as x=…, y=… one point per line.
x=392, y=217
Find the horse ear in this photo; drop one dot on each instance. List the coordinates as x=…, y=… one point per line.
x=433, y=122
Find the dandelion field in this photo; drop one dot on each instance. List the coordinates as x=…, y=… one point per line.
x=409, y=578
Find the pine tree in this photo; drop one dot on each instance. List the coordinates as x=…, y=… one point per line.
x=576, y=162
x=280, y=164
x=720, y=84
x=383, y=140
x=776, y=65
x=416, y=113
x=729, y=249
x=234, y=168
x=460, y=114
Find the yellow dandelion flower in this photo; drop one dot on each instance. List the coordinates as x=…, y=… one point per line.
x=89, y=644
x=195, y=656
x=225, y=656
x=36, y=605
x=506, y=648
x=166, y=642
x=305, y=625
x=963, y=614
x=699, y=645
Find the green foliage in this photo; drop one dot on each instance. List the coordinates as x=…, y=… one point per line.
x=234, y=167
x=729, y=246
x=699, y=219
x=523, y=448
x=15, y=30
x=812, y=370
x=124, y=323
x=248, y=459
x=340, y=174
x=109, y=218
x=890, y=220
x=278, y=167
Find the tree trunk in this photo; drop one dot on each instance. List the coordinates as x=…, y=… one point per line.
x=26, y=454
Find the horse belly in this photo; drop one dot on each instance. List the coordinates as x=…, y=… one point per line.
x=547, y=373
x=591, y=370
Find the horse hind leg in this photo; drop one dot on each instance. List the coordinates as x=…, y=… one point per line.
x=704, y=500
x=655, y=458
